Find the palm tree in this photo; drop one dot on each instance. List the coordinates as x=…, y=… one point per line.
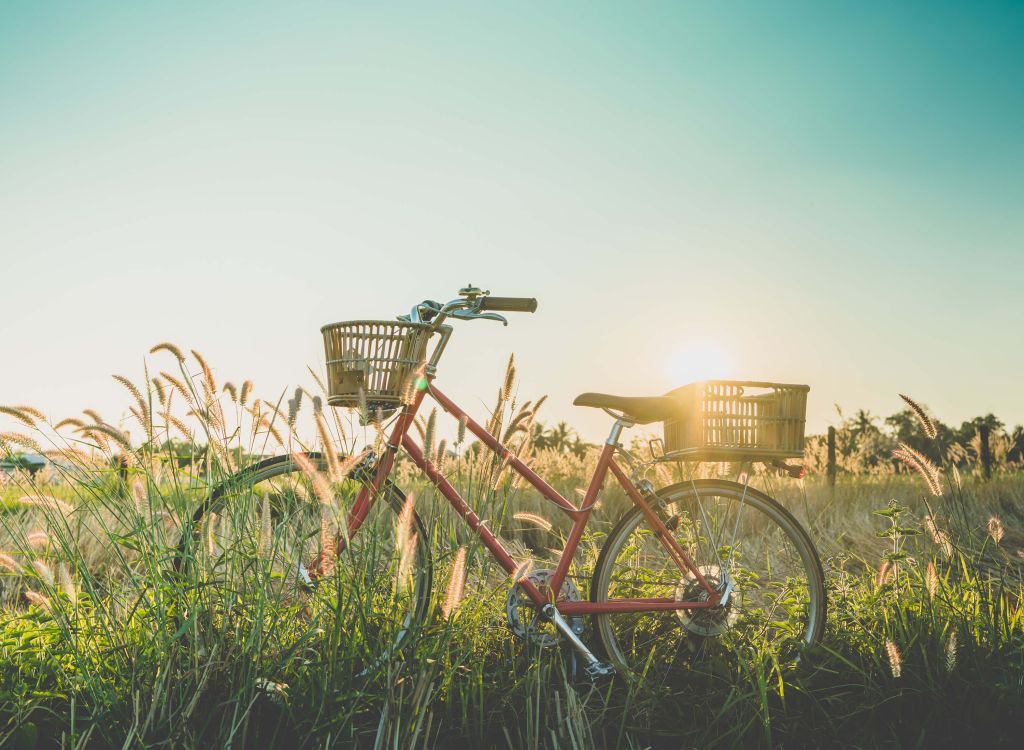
x=558, y=437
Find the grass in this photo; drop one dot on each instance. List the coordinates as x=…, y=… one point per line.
x=103, y=645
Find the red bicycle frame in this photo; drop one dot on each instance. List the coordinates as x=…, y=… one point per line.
x=579, y=514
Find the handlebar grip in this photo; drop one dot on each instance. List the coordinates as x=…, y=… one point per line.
x=509, y=304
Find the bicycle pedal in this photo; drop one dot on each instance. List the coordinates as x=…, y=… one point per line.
x=599, y=670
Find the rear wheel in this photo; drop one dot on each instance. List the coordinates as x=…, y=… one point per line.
x=248, y=540
x=732, y=534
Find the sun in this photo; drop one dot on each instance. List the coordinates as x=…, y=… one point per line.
x=698, y=360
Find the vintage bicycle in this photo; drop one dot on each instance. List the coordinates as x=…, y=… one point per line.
x=696, y=561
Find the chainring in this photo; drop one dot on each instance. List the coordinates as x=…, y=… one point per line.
x=526, y=622
x=706, y=622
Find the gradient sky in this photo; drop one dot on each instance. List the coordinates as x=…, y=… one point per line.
x=828, y=193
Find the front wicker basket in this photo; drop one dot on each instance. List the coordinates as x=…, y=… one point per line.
x=371, y=363
x=730, y=420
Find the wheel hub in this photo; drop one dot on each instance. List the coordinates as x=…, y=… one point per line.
x=526, y=622
x=707, y=622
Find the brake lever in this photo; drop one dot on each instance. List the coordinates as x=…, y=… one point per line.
x=470, y=315
x=424, y=312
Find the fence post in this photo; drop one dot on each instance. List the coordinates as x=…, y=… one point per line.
x=831, y=456
x=986, y=454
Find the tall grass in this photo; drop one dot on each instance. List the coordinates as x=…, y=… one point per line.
x=103, y=644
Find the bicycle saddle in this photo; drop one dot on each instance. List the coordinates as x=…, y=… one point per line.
x=640, y=409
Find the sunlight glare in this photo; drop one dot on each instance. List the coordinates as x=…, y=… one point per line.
x=698, y=360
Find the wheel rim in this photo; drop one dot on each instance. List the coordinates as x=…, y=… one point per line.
x=776, y=606
x=247, y=546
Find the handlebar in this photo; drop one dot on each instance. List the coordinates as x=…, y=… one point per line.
x=509, y=304
x=473, y=304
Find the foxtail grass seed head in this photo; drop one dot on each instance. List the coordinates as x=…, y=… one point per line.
x=327, y=445
x=405, y=563
x=34, y=597
x=403, y=527
x=884, y=574
x=405, y=542
x=532, y=518
x=31, y=411
x=180, y=427
x=232, y=392
x=69, y=422
x=294, y=404
x=927, y=425
x=44, y=572
x=211, y=534
x=364, y=414
x=93, y=415
x=931, y=580
x=139, y=496
x=442, y=456
x=510, y=379
x=20, y=414
x=429, y=432
x=67, y=584
x=321, y=485
x=456, y=585
x=272, y=431
x=460, y=436
x=318, y=405
x=895, y=659
x=106, y=430
x=180, y=387
x=38, y=539
x=243, y=395
x=134, y=391
x=208, y=382
x=951, y=651
x=8, y=439
x=925, y=468
x=161, y=392
x=939, y=537
x=328, y=538
x=9, y=564
x=995, y=529
x=166, y=346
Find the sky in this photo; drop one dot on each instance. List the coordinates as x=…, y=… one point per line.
x=825, y=193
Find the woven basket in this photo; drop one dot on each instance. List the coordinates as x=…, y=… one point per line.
x=371, y=363
x=728, y=420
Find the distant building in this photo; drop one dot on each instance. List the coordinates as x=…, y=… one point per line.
x=30, y=462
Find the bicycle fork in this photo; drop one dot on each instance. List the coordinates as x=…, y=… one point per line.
x=595, y=668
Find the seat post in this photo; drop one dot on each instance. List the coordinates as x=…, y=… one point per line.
x=620, y=421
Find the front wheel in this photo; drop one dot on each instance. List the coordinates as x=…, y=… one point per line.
x=249, y=541
x=736, y=536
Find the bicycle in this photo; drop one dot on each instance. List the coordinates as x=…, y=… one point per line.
x=697, y=560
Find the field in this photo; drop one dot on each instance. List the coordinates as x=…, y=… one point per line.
x=104, y=643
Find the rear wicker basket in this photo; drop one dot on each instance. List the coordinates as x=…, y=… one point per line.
x=729, y=420
x=371, y=363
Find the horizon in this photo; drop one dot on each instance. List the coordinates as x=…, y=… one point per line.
x=833, y=201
